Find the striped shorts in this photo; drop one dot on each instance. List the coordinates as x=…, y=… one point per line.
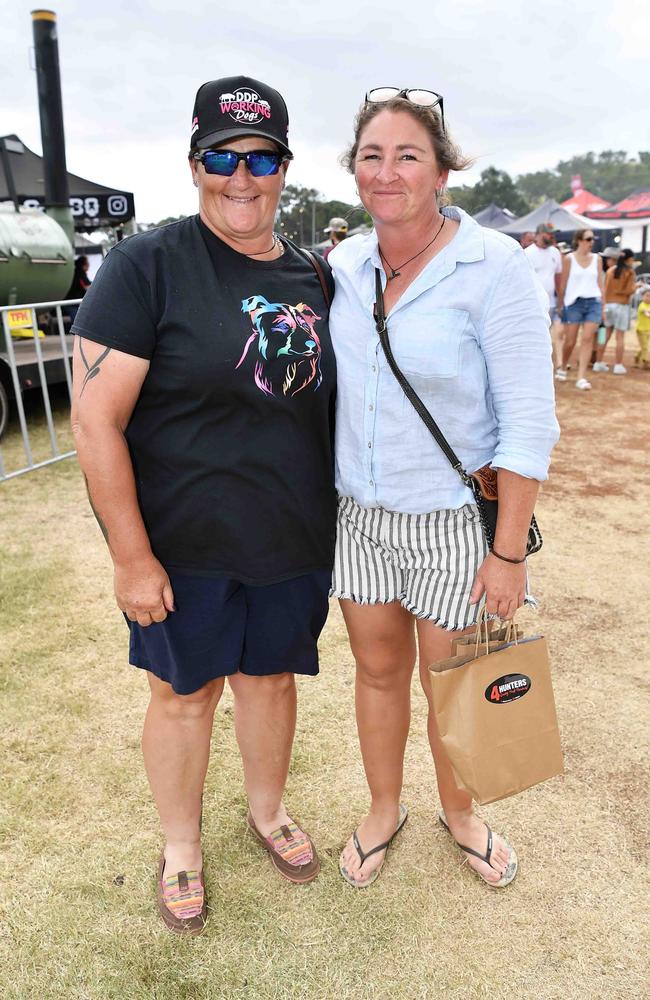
x=427, y=562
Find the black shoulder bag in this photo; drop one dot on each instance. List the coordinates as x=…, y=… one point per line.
x=483, y=482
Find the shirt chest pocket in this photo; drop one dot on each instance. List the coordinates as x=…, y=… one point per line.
x=426, y=342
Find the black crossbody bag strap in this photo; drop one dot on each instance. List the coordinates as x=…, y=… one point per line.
x=316, y=264
x=487, y=507
x=409, y=391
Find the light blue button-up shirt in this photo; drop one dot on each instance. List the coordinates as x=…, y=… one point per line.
x=471, y=335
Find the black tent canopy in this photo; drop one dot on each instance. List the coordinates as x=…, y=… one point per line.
x=93, y=205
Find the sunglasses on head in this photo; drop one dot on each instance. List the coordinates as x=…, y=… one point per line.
x=423, y=98
x=224, y=162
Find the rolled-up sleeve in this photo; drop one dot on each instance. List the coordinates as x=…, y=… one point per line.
x=516, y=344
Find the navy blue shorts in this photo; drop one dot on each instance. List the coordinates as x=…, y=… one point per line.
x=221, y=626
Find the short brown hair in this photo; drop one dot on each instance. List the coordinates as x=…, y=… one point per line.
x=448, y=154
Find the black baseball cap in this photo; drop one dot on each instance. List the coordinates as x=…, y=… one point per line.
x=235, y=106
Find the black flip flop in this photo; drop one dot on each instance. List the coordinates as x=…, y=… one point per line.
x=403, y=816
x=513, y=863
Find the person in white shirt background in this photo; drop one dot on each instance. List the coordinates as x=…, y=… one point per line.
x=546, y=261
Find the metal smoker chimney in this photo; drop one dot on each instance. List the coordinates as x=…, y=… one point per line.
x=50, y=106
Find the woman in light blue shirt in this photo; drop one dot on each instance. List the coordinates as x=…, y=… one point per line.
x=468, y=325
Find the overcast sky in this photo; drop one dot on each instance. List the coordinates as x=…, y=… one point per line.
x=525, y=84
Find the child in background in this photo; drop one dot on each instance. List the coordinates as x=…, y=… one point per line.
x=643, y=330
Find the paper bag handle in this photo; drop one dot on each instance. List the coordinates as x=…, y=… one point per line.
x=483, y=631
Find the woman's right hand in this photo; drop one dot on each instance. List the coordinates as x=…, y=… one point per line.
x=143, y=590
x=503, y=584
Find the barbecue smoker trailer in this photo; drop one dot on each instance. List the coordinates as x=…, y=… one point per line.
x=37, y=234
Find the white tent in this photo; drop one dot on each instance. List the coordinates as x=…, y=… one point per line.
x=560, y=218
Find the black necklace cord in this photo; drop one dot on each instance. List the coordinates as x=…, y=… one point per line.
x=258, y=253
x=395, y=272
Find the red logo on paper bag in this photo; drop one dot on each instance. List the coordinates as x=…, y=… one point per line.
x=508, y=688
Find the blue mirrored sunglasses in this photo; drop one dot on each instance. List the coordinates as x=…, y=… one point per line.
x=224, y=162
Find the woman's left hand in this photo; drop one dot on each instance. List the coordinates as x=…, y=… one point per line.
x=504, y=586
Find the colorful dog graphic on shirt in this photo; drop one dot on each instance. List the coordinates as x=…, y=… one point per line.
x=288, y=347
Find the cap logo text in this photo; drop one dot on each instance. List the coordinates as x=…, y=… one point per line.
x=245, y=106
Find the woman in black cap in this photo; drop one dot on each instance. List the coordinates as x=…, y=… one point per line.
x=204, y=390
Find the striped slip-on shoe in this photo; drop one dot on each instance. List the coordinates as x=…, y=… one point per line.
x=291, y=851
x=182, y=900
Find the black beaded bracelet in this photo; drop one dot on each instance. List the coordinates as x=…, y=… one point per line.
x=505, y=558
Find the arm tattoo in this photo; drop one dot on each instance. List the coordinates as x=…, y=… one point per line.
x=102, y=526
x=92, y=369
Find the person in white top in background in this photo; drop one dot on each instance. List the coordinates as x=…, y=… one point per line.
x=546, y=261
x=581, y=298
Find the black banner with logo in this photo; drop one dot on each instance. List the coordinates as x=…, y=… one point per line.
x=91, y=211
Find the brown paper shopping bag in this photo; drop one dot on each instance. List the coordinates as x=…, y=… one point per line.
x=496, y=717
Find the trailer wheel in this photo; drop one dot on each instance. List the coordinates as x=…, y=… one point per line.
x=4, y=409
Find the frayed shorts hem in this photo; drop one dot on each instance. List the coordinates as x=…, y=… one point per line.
x=412, y=610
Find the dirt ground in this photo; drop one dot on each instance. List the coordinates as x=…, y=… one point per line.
x=78, y=832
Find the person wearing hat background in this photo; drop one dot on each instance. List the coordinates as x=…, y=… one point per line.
x=609, y=257
x=338, y=230
x=546, y=261
x=204, y=383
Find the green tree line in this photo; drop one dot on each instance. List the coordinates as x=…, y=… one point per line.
x=611, y=174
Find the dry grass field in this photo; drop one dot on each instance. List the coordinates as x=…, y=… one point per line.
x=78, y=832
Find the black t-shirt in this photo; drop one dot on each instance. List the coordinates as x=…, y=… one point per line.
x=231, y=437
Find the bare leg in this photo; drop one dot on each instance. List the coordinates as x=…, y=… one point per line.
x=265, y=723
x=557, y=336
x=620, y=346
x=570, y=337
x=176, y=749
x=435, y=644
x=586, y=348
x=382, y=638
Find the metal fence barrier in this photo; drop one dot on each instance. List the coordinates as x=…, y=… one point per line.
x=40, y=352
